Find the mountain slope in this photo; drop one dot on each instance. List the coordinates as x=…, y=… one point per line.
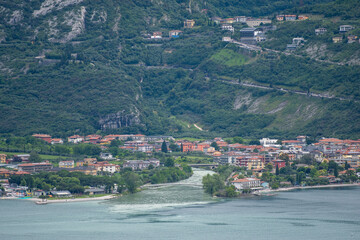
x=78, y=66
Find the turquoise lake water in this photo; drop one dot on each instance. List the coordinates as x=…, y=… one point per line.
x=185, y=212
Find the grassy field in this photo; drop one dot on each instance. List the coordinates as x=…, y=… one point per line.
x=229, y=58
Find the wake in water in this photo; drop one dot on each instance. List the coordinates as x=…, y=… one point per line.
x=173, y=195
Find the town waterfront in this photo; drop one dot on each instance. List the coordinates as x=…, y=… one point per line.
x=184, y=211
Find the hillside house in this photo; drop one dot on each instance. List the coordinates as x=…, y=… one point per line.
x=320, y=31
x=35, y=167
x=280, y=18
x=67, y=164
x=290, y=17
x=253, y=22
x=352, y=39
x=75, y=139
x=247, y=32
x=140, y=164
x=227, y=27
x=56, y=141
x=45, y=137
x=227, y=21
x=189, y=23
x=279, y=163
x=216, y=20
x=337, y=39
x=226, y=39
x=241, y=19
x=21, y=158
x=106, y=156
x=303, y=17
x=345, y=28
x=3, y=158
x=157, y=35
x=298, y=41
x=175, y=33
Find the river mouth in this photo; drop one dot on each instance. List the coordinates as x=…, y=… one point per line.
x=186, y=193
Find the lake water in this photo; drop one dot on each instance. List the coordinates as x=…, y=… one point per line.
x=185, y=212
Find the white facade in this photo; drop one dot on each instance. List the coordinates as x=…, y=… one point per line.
x=267, y=142
x=246, y=183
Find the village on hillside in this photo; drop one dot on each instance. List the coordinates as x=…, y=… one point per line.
x=253, y=159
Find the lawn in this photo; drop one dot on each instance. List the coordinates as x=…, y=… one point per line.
x=229, y=58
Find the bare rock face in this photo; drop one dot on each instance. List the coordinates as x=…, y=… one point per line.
x=119, y=120
x=49, y=5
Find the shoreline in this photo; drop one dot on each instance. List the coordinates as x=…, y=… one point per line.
x=66, y=200
x=265, y=191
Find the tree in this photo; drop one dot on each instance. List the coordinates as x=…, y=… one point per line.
x=132, y=181
x=169, y=162
x=34, y=157
x=277, y=172
x=174, y=147
x=336, y=171
x=215, y=145
x=164, y=148
x=347, y=165
x=182, y=148
x=212, y=183
x=269, y=167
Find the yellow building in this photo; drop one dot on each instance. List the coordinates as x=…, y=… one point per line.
x=189, y=23
x=2, y=158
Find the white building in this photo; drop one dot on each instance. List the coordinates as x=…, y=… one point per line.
x=111, y=168
x=267, y=142
x=345, y=28
x=227, y=27
x=75, y=139
x=246, y=183
x=106, y=156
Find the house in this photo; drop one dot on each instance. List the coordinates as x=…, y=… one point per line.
x=90, y=170
x=253, y=22
x=4, y=173
x=352, y=39
x=110, y=168
x=175, y=33
x=140, y=164
x=61, y=193
x=280, y=18
x=290, y=142
x=80, y=163
x=44, y=137
x=290, y=17
x=279, y=163
x=66, y=164
x=320, y=31
x=90, y=160
x=157, y=35
x=226, y=39
x=241, y=19
x=3, y=158
x=267, y=142
x=246, y=183
x=188, y=146
x=21, y=158
x=227, y=27
x=56, y=141
x=298, y=41
x=337, y=39
x=35, y=167
x=301, y=139
x=247, y=32
x=302, y=17
x=75, y=139
x=216, y=20
x=106, y=156
x=345, y=28
x=189, y=23
x=93, y=191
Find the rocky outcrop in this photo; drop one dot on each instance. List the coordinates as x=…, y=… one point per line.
x=49, y=5
x=119, y=120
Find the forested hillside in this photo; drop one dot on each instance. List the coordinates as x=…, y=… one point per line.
x=78, y=66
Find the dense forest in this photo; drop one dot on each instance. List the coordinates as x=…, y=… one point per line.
x=82, y=67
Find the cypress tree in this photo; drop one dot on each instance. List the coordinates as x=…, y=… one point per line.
x=164, y=147
x=277, y=172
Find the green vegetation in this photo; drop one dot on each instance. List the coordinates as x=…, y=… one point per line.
x=229, y=58
x=72, y=86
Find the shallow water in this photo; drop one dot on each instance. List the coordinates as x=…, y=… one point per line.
x=185, y=212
